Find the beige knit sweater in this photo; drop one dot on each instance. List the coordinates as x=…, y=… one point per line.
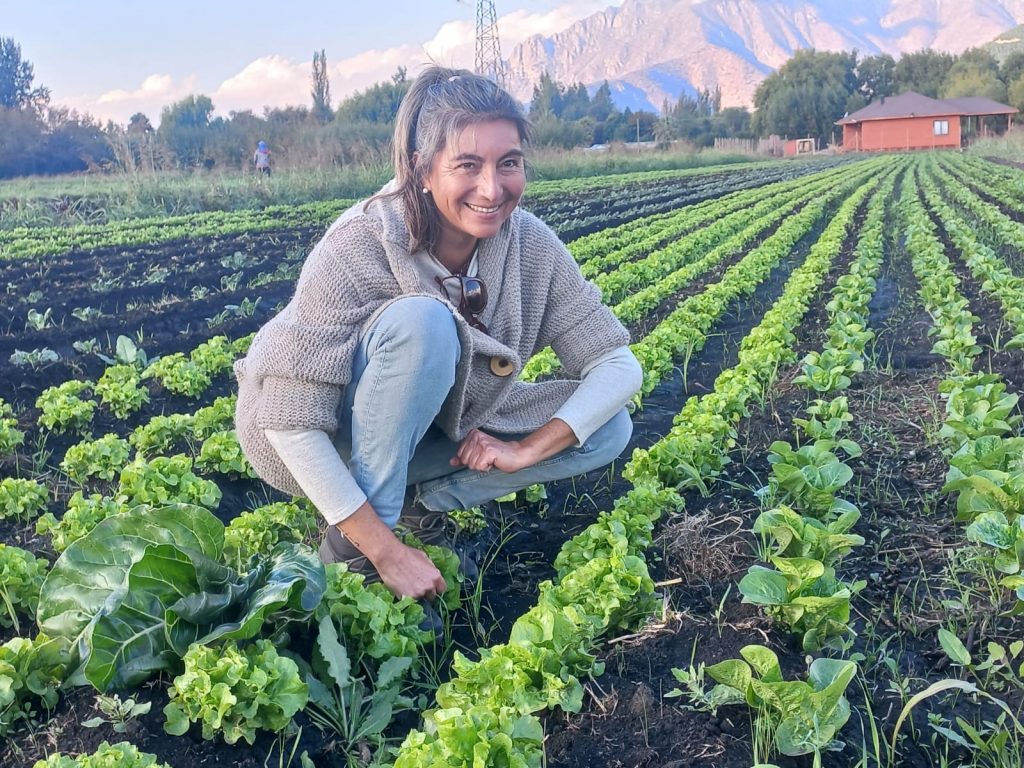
x=301, y=360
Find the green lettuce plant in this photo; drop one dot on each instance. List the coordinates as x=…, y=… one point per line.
x=179, y=375
x=102, y=458
x=119, y=389
x=222, y=453
x=135, y=592
x=63, y=409
x=161, y=433
x=235, y=692
x=252, y=535
x=83, y=513
x=21, y=577
x=22, y=499
x=808, y=478
x=10, y=436
x=376, y=625
x=827, y=419
x=829, y=370
x=120, y=755
x=218, y=417
x=31, y=672
x=165, y=480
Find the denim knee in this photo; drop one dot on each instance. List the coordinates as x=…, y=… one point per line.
x=425, y=331
x=608, y=443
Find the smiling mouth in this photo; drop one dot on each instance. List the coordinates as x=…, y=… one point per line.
x=481, y=209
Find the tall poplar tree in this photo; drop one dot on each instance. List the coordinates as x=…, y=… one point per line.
x=321, y=88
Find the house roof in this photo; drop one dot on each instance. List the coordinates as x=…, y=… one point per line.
x=911, y=104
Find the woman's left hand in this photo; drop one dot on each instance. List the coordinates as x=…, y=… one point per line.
x=483, y=452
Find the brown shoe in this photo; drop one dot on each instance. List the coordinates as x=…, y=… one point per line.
x=425, y=524
x=335, y=548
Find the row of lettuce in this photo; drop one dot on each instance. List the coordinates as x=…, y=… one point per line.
x=33, y=242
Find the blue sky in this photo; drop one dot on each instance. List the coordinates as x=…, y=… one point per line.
x=112, y=59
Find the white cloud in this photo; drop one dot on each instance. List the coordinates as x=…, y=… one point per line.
x=270, y=81
x=275, y=81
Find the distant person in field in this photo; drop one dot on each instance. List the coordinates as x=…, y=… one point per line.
x=387, y=391
x=261, y=159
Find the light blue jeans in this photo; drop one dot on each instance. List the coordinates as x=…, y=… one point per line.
x=403, y=369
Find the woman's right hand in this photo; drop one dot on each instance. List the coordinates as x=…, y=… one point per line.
x=408, y=572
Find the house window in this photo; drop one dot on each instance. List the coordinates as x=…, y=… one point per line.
x=940, y=127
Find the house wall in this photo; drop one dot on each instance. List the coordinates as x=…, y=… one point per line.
x=901, y=133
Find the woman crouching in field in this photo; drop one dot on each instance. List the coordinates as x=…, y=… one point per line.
x=387, y=389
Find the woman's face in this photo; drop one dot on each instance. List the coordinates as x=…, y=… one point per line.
x=476, y=183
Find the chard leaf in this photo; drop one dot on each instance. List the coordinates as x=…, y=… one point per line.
x=764, y=586
x=93, y=570
x=129, y=645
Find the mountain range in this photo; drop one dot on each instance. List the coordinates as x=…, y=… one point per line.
x=653, y=50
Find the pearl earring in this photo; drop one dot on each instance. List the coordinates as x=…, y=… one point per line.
x=426, y=191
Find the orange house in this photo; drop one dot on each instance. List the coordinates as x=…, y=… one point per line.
x=913, y=121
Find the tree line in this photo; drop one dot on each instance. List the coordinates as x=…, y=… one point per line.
x=812, y=90
x=804, y=97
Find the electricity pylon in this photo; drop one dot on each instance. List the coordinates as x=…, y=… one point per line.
x=488, y=49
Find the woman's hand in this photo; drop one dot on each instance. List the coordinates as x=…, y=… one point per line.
x=484, y=452
x=408, y=572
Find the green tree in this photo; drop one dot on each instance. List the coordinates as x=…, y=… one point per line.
x=923, y=71
x=321, y=88
x=1012, y=69
x=378, y=103
x=547, y=97
x=16, y=76
x=974, y=73
x=876, y=76
x=186, y=129
x=601, y=105
x=1015, y=93
x=806, y=95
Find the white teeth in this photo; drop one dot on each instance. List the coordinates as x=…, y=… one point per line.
x=480, y=209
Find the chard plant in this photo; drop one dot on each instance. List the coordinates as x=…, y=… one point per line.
x=806, y=596
x=161, y=434
x=120, y=755
x=796, y=536
x=63, y=409
x=828, y=418
x=83, y=513
x=22, y=499
x=804, y=718
x=31, y=672
x=829, y=370
x=134, y=593
x=221, y=452
x=165, y=480
x=21, y=577
x=102, y=458
x=34, y=358
x=808, y=478
x=235, y=692
x=119, y=389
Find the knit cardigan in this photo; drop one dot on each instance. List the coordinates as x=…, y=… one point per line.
x=300, y=361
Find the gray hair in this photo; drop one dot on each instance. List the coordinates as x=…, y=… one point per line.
x=440, y=104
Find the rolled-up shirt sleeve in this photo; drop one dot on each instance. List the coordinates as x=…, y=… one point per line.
x=607, y=383
x=311, y=458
